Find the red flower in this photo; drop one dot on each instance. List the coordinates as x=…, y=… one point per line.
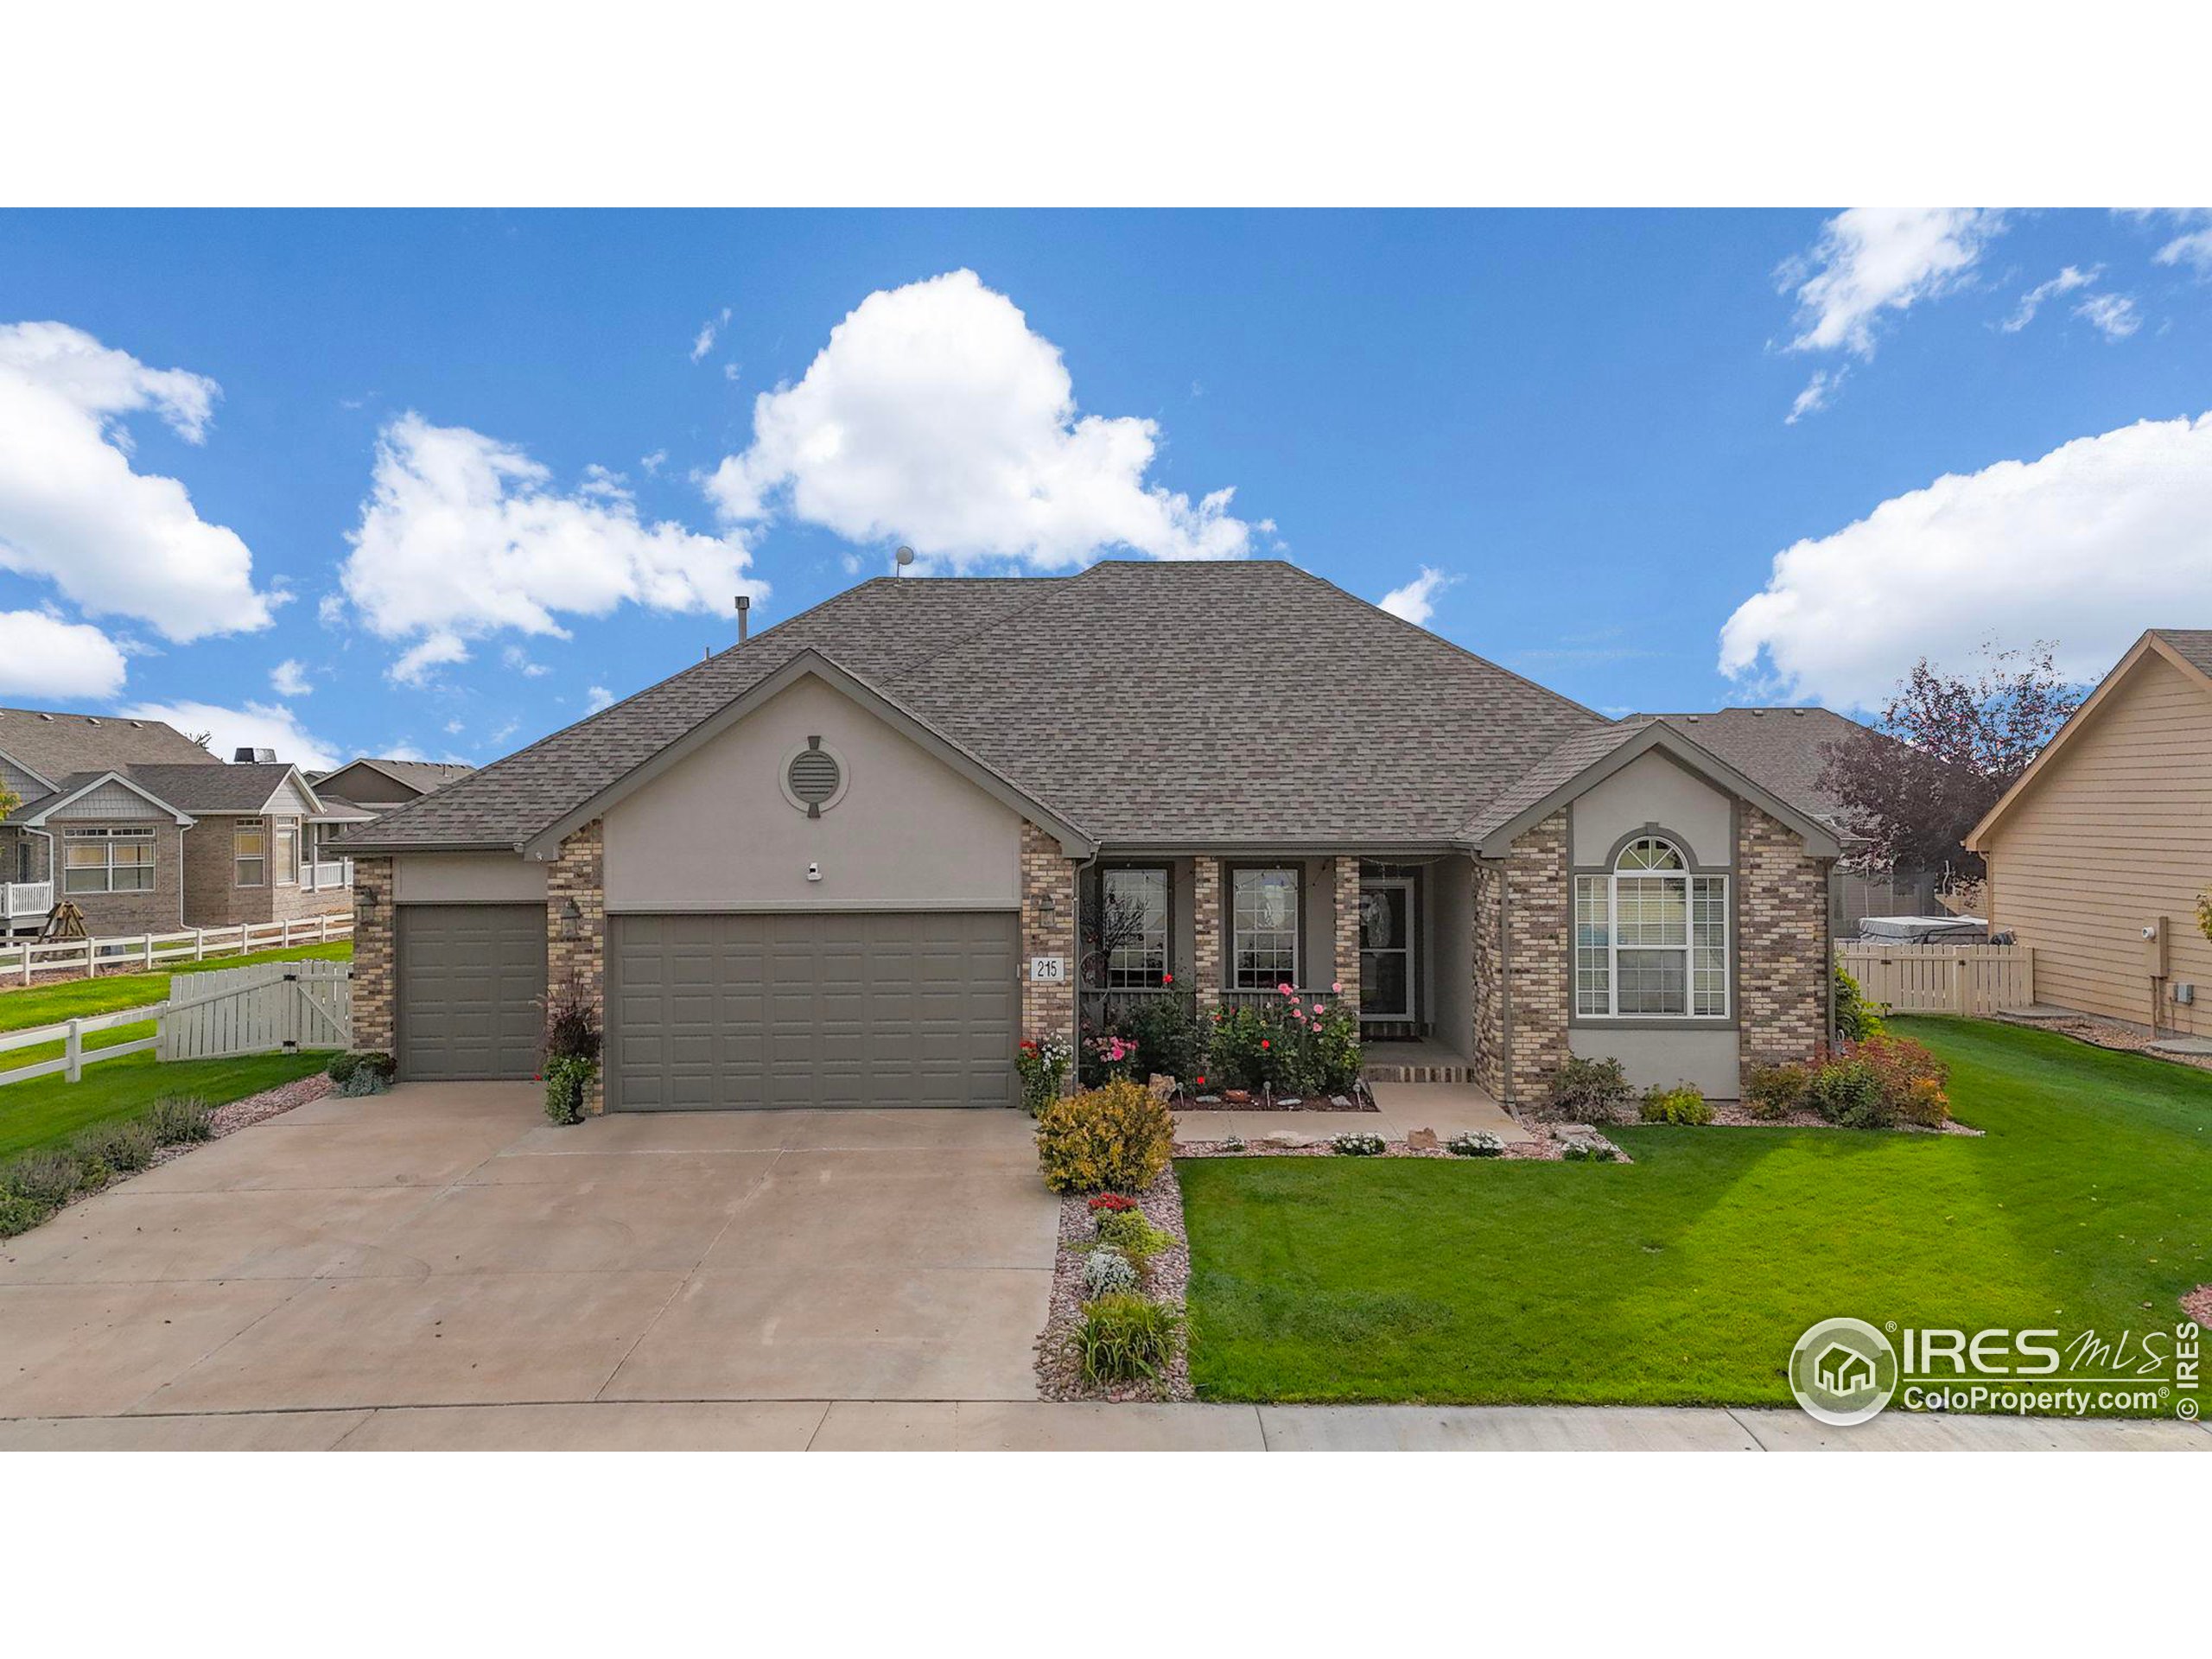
x=1112, y=1203
x=1200, y=1084
x=1265, y=1044
x=1167, y=979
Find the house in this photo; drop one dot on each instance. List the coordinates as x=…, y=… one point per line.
x=150, y=833
x=1843, y=1370
x=848, y=861
x=2098, y=852
x=1788, y=749
x=374, y=784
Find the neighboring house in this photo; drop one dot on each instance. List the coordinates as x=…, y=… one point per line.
x=846, y=863
x=2109, y=833
x=1787, y=749
x=376, y=785
x=145, y=831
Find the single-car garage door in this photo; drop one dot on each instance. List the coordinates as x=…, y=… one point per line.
x=470, y=981
x=819, y=1009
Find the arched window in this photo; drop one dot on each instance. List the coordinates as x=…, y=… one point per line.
x=1651, y=936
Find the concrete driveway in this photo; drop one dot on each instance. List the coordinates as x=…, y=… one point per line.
x=441, y=1245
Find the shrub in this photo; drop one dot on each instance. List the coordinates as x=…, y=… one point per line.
x=1044, y=1068
x=571, y=1024
x=1109, y=1202
x=1106, y=1057
x=1123, y=1338
x=1170, y=1037
x=1475, y=1143
x=1911, y=1079
x=568, y=1083
x=1294, y=1044
x=364, y=1080
x=20, y=1214
x=1682, y=1105
x=181, y=1119
x=1587, y=1152
x=1856, y=1019
x=342, y=1067
x=1119, y=1136
x=1235, y=1047
x=125, y=1147
x=1587, y=1092
x=379, y=1065
x=1774, y=1091
x=48, y=1179
x=1845, y=1089
x=1358, y=1146
x=1107, y=1273
x=1128, y=1233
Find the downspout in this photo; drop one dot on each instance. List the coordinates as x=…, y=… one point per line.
x=1075, y=1060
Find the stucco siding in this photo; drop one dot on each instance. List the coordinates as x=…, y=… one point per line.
x=1702, y=1056
x=2115, y=830
x=716, y=832
x=1652, y=789
x=466, y=879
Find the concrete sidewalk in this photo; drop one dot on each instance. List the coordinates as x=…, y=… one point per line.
x=1036, y=1426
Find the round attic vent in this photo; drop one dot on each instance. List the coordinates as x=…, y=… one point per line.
x=814, y=779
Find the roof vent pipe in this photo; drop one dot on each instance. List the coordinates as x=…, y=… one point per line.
x=744, y=605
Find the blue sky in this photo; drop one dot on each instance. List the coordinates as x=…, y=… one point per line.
x=454, y=477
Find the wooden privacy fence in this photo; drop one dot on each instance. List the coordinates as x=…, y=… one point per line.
x=21, y=958
x=1970, y=979
x=269, y=1007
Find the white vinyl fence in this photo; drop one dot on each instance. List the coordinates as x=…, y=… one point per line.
x=265, y=1008
x=1968, y=979
x=21, y=958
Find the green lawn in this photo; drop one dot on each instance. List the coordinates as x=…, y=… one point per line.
x=1686, y=1277
x=47, y=1110
x=81, y=999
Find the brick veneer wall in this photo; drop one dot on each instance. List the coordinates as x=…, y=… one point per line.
x=1781, y=940
x=1047, y=873
x=115, y=915
x=1205, y=931
x=1489, y=968
x=577, y=950
x=1536, y=962
x=373, y=968
x=1347, y=941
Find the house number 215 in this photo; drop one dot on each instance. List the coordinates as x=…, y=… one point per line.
x=1052, y=968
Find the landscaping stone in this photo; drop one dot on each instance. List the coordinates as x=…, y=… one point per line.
x=1422, y=1140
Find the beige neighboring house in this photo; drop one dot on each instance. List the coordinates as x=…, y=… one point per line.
x=145, y=831
x=848, y=862
x=373, y=784
x=2109, y=834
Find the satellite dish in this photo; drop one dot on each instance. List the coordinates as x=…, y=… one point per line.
x=906, y=556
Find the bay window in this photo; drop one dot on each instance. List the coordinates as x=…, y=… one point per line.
x=1650, y=938
x=1262, y=928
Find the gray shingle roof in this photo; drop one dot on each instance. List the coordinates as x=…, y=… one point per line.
x=1567, y=762
x=2195, y=646
x=54, y=744
x=219, y=788
x=1143, y=702
x=1783, y=750
x=422, y=775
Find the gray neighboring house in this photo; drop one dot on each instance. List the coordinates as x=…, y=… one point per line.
x=1787, y=749
x=373, y=784
x=145, y=831
x=847, y=863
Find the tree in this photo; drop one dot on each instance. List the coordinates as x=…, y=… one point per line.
x=1946, y=747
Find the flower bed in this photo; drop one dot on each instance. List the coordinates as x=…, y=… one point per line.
x=1552, y=1144
x=1197, y=1099
x=1059, y=1367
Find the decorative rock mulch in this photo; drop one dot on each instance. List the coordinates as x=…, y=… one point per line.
x=2198, y=1306
x=1549, y=1146
x=2105, y=1033
x=1059, y=1372
x=254, y=1109
x=1735, y=1118
x=1360, y=1100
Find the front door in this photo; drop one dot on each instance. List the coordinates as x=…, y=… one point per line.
x=1386, y=948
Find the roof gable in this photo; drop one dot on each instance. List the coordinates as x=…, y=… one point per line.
x=79, y=785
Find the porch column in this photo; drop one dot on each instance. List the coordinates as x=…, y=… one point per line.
x=575, y=948
x=1205, y=931
x=1347, y=953
x=1048, y=929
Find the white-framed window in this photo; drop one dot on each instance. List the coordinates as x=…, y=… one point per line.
x=107, y=860
x=288, y=852
x=1262, y=928
x=1140, y=895
x=1650, y=938
x=249, y=852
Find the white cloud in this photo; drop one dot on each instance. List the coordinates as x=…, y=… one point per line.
x=2031, y=301
x=455, y=727
x=258, y=725
x=2087, y=546
x=1814, y=398
x=1871, y=260
x=2192, y=247
x=2114, y=315
x=1416, y=602
x=598, y=697
x=703, y=341
x=290, y=678
x=515, y=657
x=330, y=610
x=462, y=535
x=42, y=657
x=116, y=542
x=934, y=416
x=652, y=464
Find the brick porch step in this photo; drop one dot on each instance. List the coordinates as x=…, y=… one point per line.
x=1417, y=1071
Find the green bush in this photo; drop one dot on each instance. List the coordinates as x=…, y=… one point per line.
x=125, y=1147
x=180, y=1120
x=1123, y=1338
x=1587, y=1152
x=1295, y=1045
x=20, y=1214
x=567, y=1083
x=1848, y=1091
x=49, y=1178
x=1683, y=1105
x=1171, y=1038
x=1475, y=1143
x=1130, y=1233
x=1588, y=1091
x=1856, y=1019
x=1358, y=1146
x=1042, y=1065
x=1775, y=1092
x=1234, y=1048
x=342, y=1066
x=376, y=1060
x=1118, y=1137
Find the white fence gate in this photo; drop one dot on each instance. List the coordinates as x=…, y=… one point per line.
x=1968, y=979
x=276, y=1005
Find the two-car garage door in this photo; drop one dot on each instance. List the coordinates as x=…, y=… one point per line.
x=813, y=1009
